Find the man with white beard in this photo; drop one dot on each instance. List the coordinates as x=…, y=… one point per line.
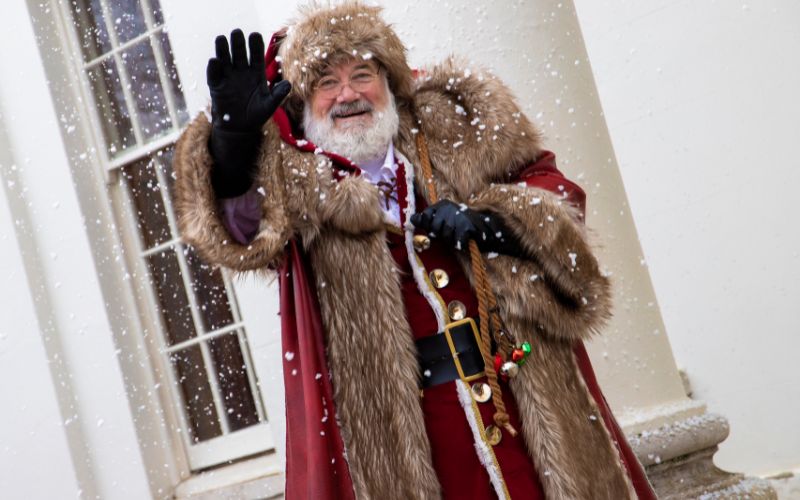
x=362, y=119
x=436, y=284
x=358, y=121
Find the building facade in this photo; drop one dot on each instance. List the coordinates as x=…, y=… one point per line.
x=133, y=370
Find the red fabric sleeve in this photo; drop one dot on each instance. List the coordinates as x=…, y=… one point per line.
x=543, y=174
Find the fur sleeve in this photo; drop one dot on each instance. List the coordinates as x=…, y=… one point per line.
x=301, y=198
x=198, y=210
x=559, y=288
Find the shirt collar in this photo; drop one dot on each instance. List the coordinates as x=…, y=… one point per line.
x=381, y=169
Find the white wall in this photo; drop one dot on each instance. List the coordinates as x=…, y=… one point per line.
x=31, y=434
x=70, y=342
x=701, y=102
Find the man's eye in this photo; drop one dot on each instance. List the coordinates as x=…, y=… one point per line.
x=328, y=84
x=362, y=77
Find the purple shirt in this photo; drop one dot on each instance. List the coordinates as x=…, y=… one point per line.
x=241, y=215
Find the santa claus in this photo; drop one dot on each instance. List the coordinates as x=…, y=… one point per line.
x=436, y=280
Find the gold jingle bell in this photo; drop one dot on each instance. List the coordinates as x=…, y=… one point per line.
x=494, y=435
x=421, y=242
x=509, y=369
x=457, y=310
x=481, y=392
x=439, y=278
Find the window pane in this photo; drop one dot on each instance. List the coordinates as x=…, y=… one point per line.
x=127, y=17
x=240, y=407
x=110, y=102
x=174, y=80
x=151, y=107
x=210, y=291
x=142, y=183
x=196, y=391
x=171, y=295
x=91, y=29
x=164, y=158
x=155, y=8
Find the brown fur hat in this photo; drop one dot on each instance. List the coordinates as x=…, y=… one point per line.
x=330, y=35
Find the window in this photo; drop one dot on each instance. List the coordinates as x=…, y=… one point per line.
x=127, y=65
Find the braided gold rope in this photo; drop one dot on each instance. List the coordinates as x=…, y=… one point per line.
x=486, y=301
x=505, y=340
x=427, y=170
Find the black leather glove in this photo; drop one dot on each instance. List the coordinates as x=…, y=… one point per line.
x=457, y=224
x=241, y=102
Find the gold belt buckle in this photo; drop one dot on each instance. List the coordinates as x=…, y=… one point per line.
x=453, y=351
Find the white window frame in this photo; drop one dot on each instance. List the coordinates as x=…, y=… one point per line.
x=227, y=447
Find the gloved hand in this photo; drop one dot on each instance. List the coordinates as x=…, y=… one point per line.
x=241, y=102
x=457, y=224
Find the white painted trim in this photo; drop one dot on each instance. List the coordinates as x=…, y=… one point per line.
x=224, y=482
x=242, y=443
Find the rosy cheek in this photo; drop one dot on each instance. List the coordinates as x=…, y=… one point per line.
x=320, y=112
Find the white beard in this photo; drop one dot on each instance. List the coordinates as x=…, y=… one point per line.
x=358, y=142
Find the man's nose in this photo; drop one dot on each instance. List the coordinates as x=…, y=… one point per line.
x=347, y=94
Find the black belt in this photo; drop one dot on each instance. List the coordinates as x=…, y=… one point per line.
x=451, y=355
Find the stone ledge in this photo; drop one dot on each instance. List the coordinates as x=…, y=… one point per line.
x=695, y=476
x=787, y=485
x=679, y=438
x=678, y=454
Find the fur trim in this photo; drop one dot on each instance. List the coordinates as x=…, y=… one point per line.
x=562, y=426
x=329, y=35
x=374, y=367
x=198, y=212
x=476, y=132
x=559, y=289
x=354, y=207
x=300, y=197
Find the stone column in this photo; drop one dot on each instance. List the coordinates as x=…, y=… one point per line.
x=538, y=49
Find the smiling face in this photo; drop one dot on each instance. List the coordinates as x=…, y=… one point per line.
x=350, y=94
x=352, y=112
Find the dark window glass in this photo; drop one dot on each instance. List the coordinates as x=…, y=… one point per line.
x=110, y=101
x=127, y=18
x=240, y=408
x=196, y=392
x=174, y=81
x=209, y=288
x=155, y=7
x=151, y=106
x=90, y=28
x=171, y=295
x=164, y=159
x=151, y=216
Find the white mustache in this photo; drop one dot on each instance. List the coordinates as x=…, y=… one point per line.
x=350, y=108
